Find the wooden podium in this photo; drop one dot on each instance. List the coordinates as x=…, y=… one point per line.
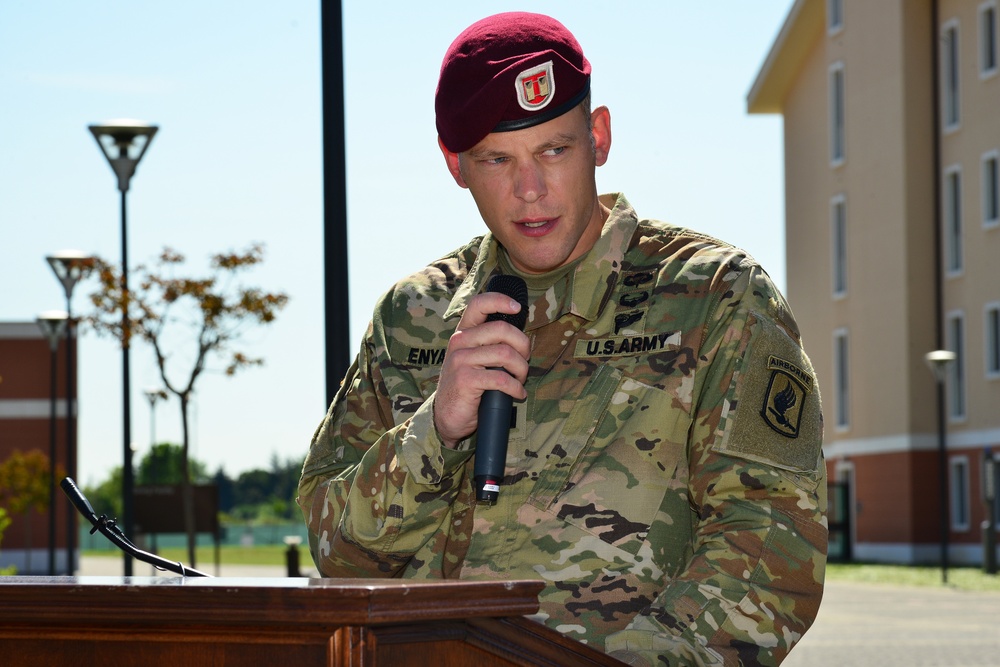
x=190, y=622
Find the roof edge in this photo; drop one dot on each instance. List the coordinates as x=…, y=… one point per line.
x=805, y=19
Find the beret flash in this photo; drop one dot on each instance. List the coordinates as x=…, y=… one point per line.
x=508, y=72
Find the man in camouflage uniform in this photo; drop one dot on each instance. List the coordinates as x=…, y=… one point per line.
x=664, y=475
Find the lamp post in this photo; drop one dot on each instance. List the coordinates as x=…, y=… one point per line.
x=153, y=395
x=52, y=323
x=939, y=361
x=123, y=143
x=70, y=266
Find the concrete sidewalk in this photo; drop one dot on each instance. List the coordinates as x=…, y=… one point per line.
x=876, y=625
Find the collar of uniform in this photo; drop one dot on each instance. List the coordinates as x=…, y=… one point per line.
x=595, y=276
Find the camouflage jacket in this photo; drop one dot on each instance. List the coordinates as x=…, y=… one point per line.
x=664, y=477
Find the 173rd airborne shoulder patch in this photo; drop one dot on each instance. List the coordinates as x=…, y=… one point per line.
x=778, y=419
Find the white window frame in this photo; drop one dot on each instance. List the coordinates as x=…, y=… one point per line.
x=836, y=92
x=960, y=497
x=842, y=379
x=989, y=50
x=838, y=245
x=952, y=220
x=834, y=16
x=991, y=338
x=957, y=389
x=990, y=183
x=951, y=84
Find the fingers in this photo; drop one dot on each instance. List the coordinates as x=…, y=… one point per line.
x=481, y=356
x=474, y=331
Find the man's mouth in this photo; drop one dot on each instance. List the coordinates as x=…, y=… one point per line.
x=537, y=226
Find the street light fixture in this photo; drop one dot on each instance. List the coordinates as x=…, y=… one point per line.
x=123, y=143
x=52, y=323
x=939, y=362
x=153, y=395
x=70, y=267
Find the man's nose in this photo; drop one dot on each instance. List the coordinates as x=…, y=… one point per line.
x=530, y=182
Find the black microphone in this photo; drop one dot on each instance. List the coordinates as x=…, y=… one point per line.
x=79, y=500
x=495, y=406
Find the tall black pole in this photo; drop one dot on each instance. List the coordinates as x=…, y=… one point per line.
x=939, y=281
x=54, y=346
x=337, y=324
x=127, y=478
x=943, y=480
x=70, y=437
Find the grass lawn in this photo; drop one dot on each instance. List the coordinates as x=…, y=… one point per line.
x=266, y=554
x=961, y=578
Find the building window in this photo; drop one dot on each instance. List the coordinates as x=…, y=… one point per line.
x=841, y=379
x=953, y=261
x=949, y=75
x=992, y=340
x=988, y=39
x=834, y=16
x=838, y=227
x=955, y=332
x=959, y=488
x=991, y=189
x=836, y=114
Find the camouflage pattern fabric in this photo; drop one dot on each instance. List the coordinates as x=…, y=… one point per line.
x=664, y=476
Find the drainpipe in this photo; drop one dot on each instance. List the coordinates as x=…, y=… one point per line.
x=939, y=279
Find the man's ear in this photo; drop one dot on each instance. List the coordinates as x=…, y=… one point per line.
x=600, y=121
x=451, y=159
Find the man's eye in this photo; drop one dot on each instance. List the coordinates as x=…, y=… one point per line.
x=558, y=150
x=494, y=160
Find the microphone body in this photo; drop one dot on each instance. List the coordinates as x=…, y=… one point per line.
x=495, y=407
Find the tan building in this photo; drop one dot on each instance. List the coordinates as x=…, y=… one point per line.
x=892, y=140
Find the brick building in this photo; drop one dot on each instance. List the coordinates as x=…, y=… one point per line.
x=25, y=425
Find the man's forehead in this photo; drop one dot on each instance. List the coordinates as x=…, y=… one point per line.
x=563, y=130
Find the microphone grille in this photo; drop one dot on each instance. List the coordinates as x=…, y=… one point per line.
x=515, y=288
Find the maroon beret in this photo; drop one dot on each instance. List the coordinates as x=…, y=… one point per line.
x=507, y=72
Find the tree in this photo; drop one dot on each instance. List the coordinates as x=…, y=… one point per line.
x=214, y=311
x=164, y=464
x=4, y=522
x=106, y=497
x=24, y=486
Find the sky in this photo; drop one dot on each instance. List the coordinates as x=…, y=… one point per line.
x=234, y=87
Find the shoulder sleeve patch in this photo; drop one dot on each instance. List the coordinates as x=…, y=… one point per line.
x=775, y=415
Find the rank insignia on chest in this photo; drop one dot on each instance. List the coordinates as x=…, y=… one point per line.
x=787, y=392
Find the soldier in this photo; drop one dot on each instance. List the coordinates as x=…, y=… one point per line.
x=664, y=475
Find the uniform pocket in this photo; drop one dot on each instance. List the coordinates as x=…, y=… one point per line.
x=623, y=466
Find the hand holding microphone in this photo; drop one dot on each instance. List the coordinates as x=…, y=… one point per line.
x=488, y=339
x=495, y=406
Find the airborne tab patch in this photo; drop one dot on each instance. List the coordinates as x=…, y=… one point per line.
x=783, y=402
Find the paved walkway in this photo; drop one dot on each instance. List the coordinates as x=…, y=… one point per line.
x=859, y=625
x=874, y=625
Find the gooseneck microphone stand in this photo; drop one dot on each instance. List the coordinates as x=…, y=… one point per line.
x=109, y=528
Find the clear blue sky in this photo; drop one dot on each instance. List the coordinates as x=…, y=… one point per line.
x=235, y=89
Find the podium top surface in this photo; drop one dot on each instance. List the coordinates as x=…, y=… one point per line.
x=292, y=600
